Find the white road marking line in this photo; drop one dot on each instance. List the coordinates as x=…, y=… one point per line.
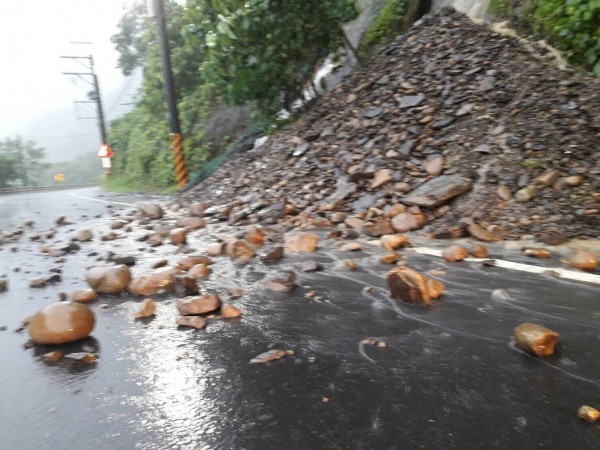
x=101, y=201
x=555, y=271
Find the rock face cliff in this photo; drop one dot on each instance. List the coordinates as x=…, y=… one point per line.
x=452, y=124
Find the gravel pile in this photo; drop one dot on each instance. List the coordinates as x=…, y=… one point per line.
x=452, y=124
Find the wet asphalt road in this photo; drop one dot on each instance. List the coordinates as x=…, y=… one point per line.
x=448, y=378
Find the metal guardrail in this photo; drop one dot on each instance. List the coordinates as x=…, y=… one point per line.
x=18, y=190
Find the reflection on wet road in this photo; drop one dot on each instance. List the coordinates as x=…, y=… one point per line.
x=449, y=376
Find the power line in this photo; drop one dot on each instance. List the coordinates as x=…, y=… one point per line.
x=93, y=95
x=125, y=86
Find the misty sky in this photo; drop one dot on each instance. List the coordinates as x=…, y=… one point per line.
x=33, y=34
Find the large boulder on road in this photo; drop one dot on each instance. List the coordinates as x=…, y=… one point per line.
x=108, y=279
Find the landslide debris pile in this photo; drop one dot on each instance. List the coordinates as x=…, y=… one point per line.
x=452, y=124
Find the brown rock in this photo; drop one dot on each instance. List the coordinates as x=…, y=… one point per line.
x=455, y=253
x=274, y=254
x=61, y=322
x=83, y=295
x=38, y=283
x=554, y=239
x=355, y=223
x=407, y=222
x=240, y=250
x=151, y=210
x=301, y=242
x=199, y=271
x=448, y=232
x=160, y=263
x=538, y=252
x=189, y=261
x=155, y=240
x=163, y=229
x=588, y=413
x=525, y=194
x=479, y=251
x=178, y=236
x=547, y=178
x=147, y=309
x=255, y=236
x=214, y=249
x=351, y=247
x=393, y=241
x=186, y=285
x=536, y=339
x=504, y=193
x=395, y=210
x=408, y=285
x=434, y=166
x=203, y=304
x=197, y=209
x=574, y=181
x=229, y=311
x=435, y=288
x=281, y=281
x=380, y=227
x=109, y=279
x=481, y=234
x=84, y=236
x=382, y=177
x=583, y=260
x=349, y=264
x=191, y=223
x=157, y=282
x=338, y=217
x=389, y=258
x=196, y=322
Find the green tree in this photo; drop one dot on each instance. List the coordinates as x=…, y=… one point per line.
x=573, y=26
x=8, y=170
x=254, y=52
x=23, y=159
x=267, y=50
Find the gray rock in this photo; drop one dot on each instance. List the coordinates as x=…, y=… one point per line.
x=372, y=112
x=410, y=101
x=438, y=191
x=486, y=84
x=301, y=149
x=152, y=210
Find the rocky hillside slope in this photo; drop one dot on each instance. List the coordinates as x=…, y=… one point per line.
x=451, y=125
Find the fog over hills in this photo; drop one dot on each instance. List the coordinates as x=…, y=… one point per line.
x=64, y=136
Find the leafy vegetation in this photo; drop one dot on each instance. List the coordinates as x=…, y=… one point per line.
x=20, y=162
x=256, y=53
x=572, y=26
x=389, y=23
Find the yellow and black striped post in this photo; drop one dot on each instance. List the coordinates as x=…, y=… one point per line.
x=181, y=173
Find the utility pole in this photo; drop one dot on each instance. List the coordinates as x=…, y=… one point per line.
x=156, y=9
x=94, y=95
